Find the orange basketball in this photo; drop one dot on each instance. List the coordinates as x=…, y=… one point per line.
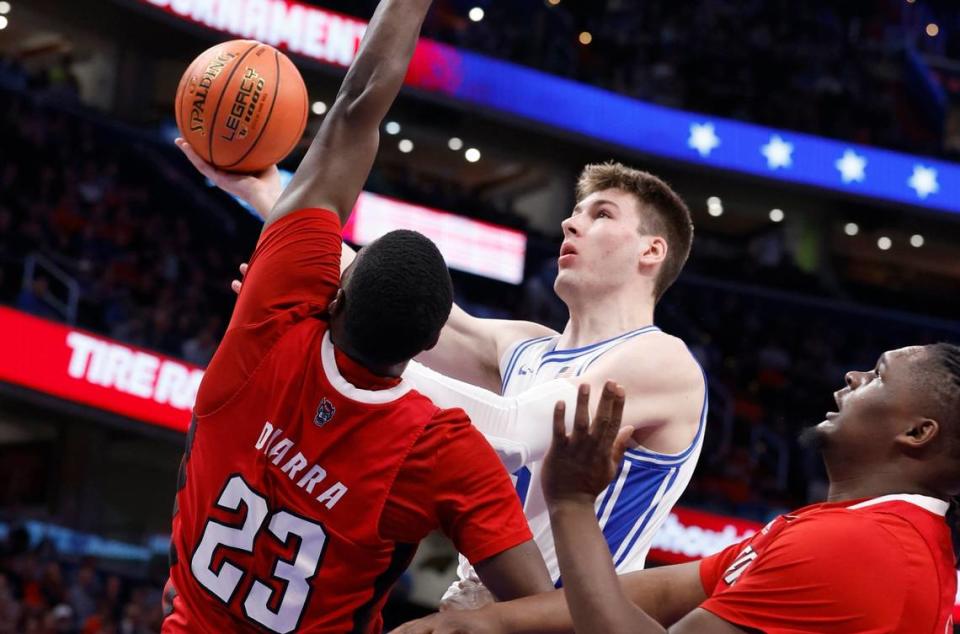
x=242, y=105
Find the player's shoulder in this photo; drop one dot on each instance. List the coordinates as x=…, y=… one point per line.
x=847, y=534
x=449, y=419
x=655, y=357
x=511, y=333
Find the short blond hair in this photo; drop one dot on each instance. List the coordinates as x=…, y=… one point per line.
x=670, y=217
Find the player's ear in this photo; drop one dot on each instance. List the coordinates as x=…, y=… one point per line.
x=920, y=433
x=339, y=302
x=653, y=250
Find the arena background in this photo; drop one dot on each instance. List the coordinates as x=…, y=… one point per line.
x=816, y=143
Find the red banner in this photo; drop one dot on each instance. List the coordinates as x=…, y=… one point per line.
x=85, y=368
x=690, y=535
x=300, y=28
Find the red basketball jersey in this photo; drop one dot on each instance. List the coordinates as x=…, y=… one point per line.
x=879, y=565
x=290, y=465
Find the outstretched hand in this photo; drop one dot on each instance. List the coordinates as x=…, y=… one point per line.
x=261, y=190
x=579, y=467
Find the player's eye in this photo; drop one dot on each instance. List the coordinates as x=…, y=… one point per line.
x=602, y=213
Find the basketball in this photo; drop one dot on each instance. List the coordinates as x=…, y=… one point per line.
x=242, y=105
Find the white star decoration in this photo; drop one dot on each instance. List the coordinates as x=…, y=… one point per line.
x=852, y=167
x=703, y=138
x=924, y=180
x=779, y=153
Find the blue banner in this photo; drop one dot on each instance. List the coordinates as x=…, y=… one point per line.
x=695, y=138
x=331, y=38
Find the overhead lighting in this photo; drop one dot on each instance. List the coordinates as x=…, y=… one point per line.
x=3, y=22
x=777, y=215
x=455, y=144
x=553, y=3
x=884, y=243
x=318, y=108
x=851, y=228
x=472, y=155
x=476, y=14
x=4, y=8
x=585, y=38
x=933, y=29
x=714, y=206
x=405, y=146
x=392, y=128
x=916, y=240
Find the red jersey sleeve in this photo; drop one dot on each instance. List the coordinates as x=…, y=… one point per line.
x=296, y=264
x=478, y=505
x=812, y=577
x=297, y=260
x=454, y=481
x=712, y=567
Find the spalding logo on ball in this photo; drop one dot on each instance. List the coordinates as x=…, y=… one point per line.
x=242, y=105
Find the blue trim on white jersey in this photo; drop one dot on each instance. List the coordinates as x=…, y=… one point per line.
x=651, y=511
x=609, y=491
x=641, y=497
x=552, y=354
x=517, y=351
x=593, y=349
x=641, y=487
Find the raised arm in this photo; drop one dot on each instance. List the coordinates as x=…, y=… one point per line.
x=338, y=162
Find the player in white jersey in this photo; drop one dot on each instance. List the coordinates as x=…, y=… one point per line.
x=647, y=485
x=624, y=244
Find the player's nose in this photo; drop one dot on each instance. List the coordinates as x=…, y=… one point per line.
x=854, y=378
x=569, y=226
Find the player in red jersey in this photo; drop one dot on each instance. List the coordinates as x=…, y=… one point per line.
x=875, y=558
x=312, y=469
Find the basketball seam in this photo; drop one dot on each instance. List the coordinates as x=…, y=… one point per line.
x=216, y=110
x=266, y=120
x=303, y=121
x=181, y=95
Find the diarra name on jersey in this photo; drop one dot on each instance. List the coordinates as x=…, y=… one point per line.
x=276, y=447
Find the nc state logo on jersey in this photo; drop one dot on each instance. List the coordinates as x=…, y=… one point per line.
x=325, y=411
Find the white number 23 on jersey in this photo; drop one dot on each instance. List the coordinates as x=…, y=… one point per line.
x=297, y=574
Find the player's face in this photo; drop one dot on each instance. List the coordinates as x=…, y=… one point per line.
x=875, y=404
x=601, y=243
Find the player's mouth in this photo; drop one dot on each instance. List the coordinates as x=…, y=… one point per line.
x=567, y=254
x=829, y=420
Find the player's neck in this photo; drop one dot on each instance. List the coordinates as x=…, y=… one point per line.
x=601, y=318
x=342, y=345
x=874, y=485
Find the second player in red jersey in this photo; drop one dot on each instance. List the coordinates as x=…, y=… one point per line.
x=312, y=469
x=828, y=568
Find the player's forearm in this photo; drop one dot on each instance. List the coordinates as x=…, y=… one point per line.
x=376, y=75
x=513, y=425
x=341, y=155
x=666, y=594
x=594, y=595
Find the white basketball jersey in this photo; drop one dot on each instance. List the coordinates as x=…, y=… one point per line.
x=647, y=484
